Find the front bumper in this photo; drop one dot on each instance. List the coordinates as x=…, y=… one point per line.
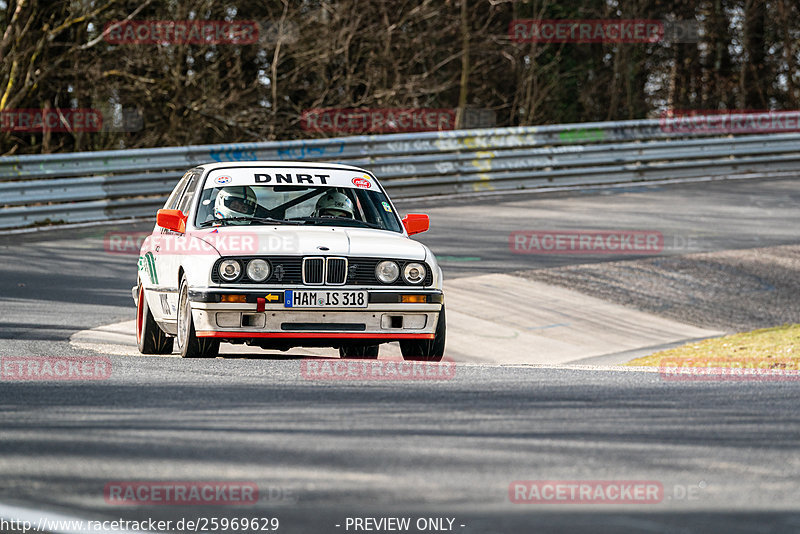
x=263, y=316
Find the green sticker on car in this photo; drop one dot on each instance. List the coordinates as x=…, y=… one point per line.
x=147, y=263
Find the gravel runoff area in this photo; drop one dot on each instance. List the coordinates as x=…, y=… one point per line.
x=732, y=290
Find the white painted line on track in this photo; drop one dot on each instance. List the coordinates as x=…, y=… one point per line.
x=568, y=367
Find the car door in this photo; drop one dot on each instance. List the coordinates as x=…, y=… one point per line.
x=169, y=249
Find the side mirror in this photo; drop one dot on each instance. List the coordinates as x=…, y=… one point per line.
x=173, y=220
x=416, y=223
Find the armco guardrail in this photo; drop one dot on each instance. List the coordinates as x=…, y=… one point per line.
x=90, y=186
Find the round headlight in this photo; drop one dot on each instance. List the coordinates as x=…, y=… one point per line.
x=414, y=273
x=387, y=272
x=229, y=270
x=258, y=270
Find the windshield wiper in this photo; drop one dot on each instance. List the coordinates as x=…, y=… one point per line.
x=308, y=220
x=260, y=220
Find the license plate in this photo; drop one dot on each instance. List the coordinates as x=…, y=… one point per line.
x=324, y=299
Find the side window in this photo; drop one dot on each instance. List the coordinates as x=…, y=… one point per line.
x=205, y=209
x=186, y=201
x=172, y=201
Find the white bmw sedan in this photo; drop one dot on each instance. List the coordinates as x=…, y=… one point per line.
x=282, y=255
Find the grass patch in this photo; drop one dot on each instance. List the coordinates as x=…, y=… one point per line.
x=767, y=348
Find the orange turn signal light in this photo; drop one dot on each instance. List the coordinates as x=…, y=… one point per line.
x=413, y=298
x=234, y=298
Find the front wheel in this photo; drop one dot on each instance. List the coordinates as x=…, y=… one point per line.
x=150, y=339
x=364, y=352
x=427, y=350
x=189, y=344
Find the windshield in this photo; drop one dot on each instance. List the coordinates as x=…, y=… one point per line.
x=281, y=204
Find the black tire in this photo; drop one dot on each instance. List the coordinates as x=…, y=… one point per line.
x=149, y=337
x=364, y=352
x=427, y=350
x=189, y=345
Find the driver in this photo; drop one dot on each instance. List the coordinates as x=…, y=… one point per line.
x=334, y=204
x=235, y=201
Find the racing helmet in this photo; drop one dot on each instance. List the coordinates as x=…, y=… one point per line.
x=235, y=201
x=334, y=204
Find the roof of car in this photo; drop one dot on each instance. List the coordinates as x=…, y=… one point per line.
x=293, y=164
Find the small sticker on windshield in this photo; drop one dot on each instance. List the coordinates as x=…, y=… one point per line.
x=386, y=206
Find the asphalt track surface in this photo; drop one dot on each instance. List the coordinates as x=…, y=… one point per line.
x=727, y=453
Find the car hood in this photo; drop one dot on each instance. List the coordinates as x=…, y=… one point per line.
x=305, y=241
